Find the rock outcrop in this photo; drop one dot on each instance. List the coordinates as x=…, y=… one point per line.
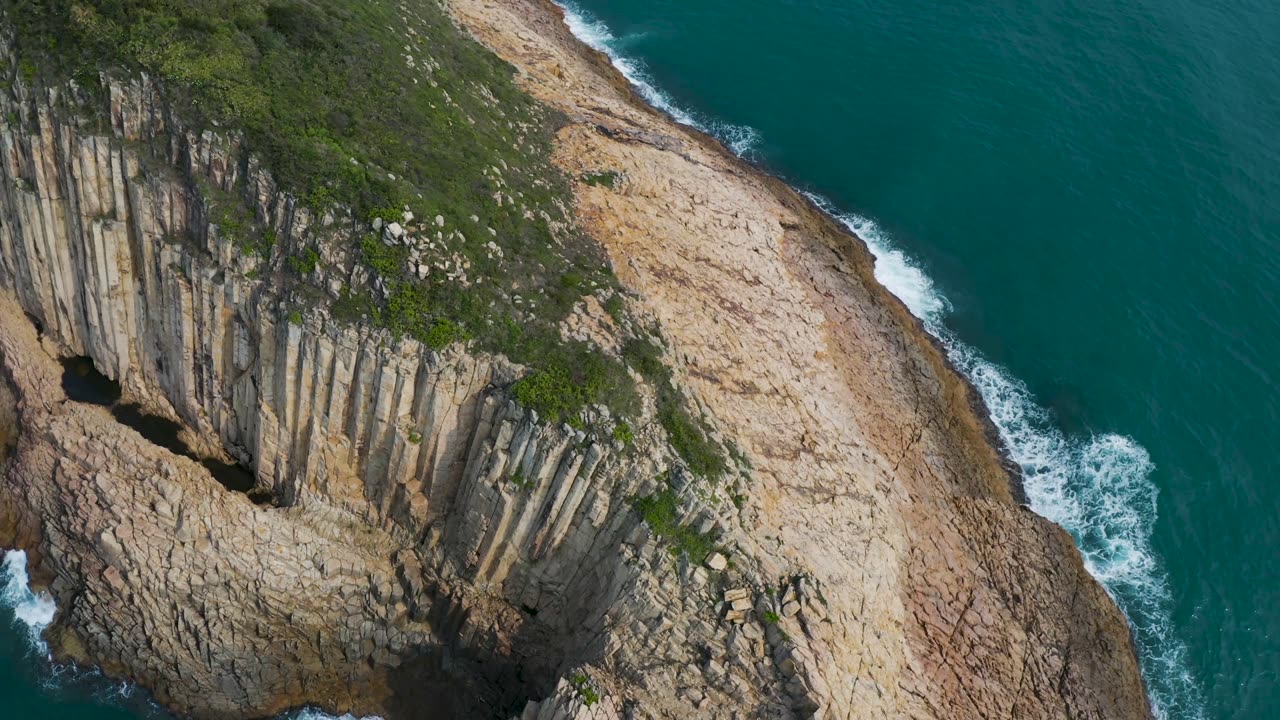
x=165, y=577
x=434, y=545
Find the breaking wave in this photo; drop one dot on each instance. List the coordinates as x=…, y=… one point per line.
x=1099, y=488
x=317, y=715
x=33, y=612
x=741, y=139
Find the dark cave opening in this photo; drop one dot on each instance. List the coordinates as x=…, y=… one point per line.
x=83, y=382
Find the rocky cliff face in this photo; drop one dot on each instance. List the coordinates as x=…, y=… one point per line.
x=434, y=545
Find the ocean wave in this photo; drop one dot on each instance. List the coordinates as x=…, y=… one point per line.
x=309, y=714
x=741, y=139
x=1098, y=488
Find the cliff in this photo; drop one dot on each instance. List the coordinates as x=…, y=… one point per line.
x=426, y=541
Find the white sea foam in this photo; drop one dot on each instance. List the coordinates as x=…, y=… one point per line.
x=33, y=611
x=317, y=715
x=742, y=139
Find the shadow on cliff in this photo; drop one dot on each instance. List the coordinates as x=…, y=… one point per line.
x=454, y=681
x=494, y=668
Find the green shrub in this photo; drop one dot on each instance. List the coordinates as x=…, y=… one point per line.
x=646, y=357
x=661, y=512
x=518, y=479
x=572, y=280
x=265, y=244
x=353, y=307
x=770, y=617
x=616, y=307
x=549, y=391
x=306, y=263
x=570, y=378
x=607, y=179
x=623, y=433
x=690, y=442
x=688, y=436
x=407, y=310
x=442, y=334
x=388, y=261
x=585, y=689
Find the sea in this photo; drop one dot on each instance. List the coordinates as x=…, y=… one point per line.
x=1081, y=199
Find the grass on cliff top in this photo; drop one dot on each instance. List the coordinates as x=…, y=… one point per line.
x=314, y=84
x=377, y=107
x=690, y=436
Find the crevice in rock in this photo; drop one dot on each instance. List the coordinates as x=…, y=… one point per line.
x=8, y=420
x=83, y=382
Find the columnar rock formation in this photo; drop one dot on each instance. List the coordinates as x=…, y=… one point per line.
x=430, y=530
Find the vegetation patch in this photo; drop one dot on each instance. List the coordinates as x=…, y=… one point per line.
x=616, y=307
x=521, y=482
x=661, y=512
x=306, y=263
x=608, y=178
x=689, y=436
x=623, y=433
x=314, y=84
x=386, y=112
x=586, y=690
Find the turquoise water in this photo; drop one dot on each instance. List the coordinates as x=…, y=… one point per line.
x=1083, y=200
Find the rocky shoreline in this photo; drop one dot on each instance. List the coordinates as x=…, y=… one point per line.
x=612, y=127
x=435, y=546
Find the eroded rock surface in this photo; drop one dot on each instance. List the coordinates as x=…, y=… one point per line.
x=437, y=541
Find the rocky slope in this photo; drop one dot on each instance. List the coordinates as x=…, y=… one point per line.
x=432, y=544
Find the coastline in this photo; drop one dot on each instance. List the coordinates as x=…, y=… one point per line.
x=853, y=248
x=858, y=250
x=965, y=413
